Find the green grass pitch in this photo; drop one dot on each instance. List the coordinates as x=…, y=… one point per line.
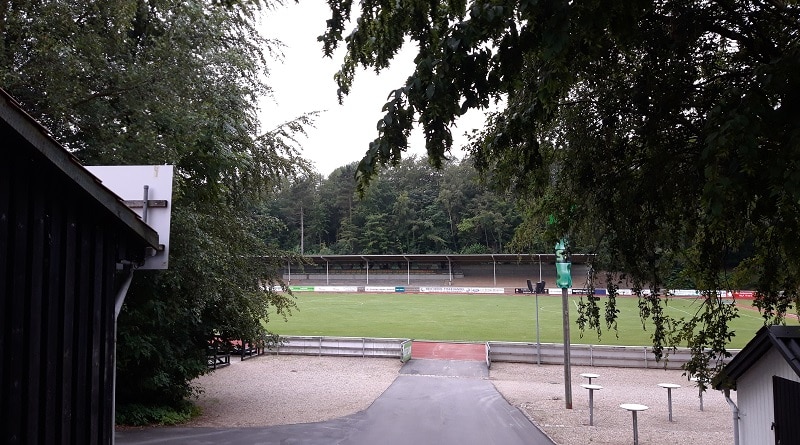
x=477, y=318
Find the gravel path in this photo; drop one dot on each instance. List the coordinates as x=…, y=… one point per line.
x=539, y=392
x=276, y=390
x=286, y=389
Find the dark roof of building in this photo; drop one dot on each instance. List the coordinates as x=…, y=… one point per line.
x=14, y=118
x=786, y=339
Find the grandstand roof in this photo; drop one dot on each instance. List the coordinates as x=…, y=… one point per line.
x=522, y=258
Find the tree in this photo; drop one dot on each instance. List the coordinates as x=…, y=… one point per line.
x=162, y=81
x=404, y=214
x=296, y=203
x=337, y=195
x=375, y=236
x=347, y=241
x=657, y=134
x=411, y=208
x=459, y=185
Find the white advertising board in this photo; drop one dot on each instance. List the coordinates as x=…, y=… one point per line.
x=462, y=290
x=128, y=182
x=336, y=289
x=380, y=289
x=685, y=292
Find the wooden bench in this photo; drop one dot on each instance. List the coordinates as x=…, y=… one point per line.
x=216, y=359
x=247, y=350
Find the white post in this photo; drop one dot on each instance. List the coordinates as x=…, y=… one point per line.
x=540, y=268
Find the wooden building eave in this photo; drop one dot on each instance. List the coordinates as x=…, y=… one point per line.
x=38, y=137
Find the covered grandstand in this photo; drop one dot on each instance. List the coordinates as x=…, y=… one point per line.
x=506, y=270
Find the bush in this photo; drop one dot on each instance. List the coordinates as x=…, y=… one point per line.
x=473, y=249
x=136, y=414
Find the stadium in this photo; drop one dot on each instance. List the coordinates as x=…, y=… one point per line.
x=507, y=271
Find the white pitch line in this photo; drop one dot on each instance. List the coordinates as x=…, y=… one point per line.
x=680, y=310
x=742, y=312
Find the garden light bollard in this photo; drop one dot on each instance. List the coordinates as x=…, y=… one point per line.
x=634, y=408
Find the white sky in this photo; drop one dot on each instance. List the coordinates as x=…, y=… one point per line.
x=304, y=83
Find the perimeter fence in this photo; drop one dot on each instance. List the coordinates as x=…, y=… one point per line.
x=517, y=352
x=343, y=346
x=588, y=355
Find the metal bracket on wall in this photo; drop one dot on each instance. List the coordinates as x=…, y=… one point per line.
x=139, y=203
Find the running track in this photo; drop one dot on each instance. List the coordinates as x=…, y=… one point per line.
x=448, y=351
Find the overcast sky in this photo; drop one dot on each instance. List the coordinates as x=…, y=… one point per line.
x=304, y=83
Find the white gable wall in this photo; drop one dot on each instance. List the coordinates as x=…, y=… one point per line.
x=754, y=396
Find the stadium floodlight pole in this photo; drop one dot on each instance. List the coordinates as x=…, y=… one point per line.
x=564, y=281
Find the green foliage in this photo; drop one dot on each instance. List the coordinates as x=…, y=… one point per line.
x=660, y=135
x=475, y=249
x=411, y=208
x=167, y=82
x=140, y=415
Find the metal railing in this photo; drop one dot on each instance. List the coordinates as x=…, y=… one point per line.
x=587, y=355
x=519, y=352
x=399, y=348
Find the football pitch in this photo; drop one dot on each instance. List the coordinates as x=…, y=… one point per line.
x=479, y=318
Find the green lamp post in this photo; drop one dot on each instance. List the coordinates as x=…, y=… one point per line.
x=564, y=281
x=563, y=265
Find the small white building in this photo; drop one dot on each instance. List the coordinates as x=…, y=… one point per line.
x=766, y=378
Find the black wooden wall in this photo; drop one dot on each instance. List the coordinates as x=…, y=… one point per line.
x=59, y=251
x=786, y=396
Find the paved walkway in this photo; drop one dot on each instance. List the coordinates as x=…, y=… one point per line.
x=431, y=402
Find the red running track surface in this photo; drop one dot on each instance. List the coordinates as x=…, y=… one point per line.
x=448, y=351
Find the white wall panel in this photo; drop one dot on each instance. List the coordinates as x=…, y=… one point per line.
x=754, y=395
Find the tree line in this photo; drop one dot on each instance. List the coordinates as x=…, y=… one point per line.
x=410, y=208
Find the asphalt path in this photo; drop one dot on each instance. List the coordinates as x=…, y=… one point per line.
x=430, y=402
